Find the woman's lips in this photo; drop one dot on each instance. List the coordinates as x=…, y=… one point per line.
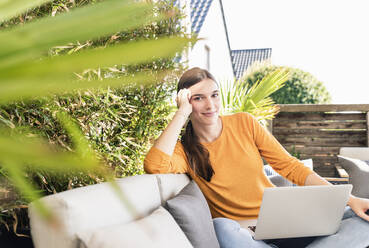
x=209, y=114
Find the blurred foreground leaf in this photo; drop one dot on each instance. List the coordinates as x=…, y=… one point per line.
x=32, y=40
x=27, y=72
x=62, y=67
x=12, y=8
x=23, y=89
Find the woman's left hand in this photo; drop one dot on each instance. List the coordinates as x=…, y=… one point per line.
x=360, y=206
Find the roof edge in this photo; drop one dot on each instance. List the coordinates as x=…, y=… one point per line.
x=252, y=49
x=226, y=32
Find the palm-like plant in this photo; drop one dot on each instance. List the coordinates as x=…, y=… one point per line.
x=26, y=72
x=238, y=96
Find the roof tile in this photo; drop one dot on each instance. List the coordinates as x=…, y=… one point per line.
x=199, y=10
x=242, y=59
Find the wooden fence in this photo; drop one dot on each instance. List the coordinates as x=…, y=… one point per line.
x=318, y=131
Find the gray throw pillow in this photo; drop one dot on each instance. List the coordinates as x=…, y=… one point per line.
x=358, y=171
x=191, y=212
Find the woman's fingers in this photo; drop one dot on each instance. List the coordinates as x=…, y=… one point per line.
x=360, y=206
x=183, y=96
x=183, y=101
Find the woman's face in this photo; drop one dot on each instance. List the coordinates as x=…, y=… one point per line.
x=205, y=100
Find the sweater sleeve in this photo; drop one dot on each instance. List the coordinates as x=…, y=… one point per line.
x=275, y=154
x=157, y=161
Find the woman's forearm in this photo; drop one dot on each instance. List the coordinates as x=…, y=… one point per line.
x=315, y=179
x=168, y=139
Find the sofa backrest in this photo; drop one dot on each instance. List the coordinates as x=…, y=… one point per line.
x=95, y=206
x=170, y=185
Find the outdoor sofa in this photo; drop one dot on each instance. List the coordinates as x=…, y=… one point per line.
x=93, y=216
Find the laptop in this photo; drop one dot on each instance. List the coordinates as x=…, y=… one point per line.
x=291, y=212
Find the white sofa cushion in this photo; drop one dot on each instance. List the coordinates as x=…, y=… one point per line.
x=157, y=230
x=91, y=207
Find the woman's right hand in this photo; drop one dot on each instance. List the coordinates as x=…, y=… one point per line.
x=183, y=102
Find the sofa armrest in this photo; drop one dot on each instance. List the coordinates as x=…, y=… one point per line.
x=358, y=171
x=361, y=153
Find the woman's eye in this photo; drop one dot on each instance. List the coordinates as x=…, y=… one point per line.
x=215, y=95
x=197, y=98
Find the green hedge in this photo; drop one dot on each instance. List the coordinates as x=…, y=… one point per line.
x=300, y=88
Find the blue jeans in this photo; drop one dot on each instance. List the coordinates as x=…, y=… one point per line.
x=353, y=233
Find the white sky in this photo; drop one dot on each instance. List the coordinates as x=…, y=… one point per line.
x=328, y=38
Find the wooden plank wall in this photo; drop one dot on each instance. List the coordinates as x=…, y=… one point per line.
x=319, y=131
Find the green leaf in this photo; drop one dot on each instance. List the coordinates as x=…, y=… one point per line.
x=17, y=152
x=25, y=186
x=78, y=139
x=129, y=53
x=12, y=8
x=15, y=173
x=34, y=39
x=11, y=90
x=240, y=97
x=36, y=153
x=269, y=84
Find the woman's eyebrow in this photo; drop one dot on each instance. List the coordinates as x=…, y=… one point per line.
x=204, y=94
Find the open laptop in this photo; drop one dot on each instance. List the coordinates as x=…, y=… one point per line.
x=291, y=212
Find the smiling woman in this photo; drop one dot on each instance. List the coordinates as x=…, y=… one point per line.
x=198, y=99
x=204, y=105
x=223, y=155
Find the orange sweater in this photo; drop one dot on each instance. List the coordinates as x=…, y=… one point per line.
x=236, y=189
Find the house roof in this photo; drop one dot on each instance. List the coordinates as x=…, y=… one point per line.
x=199, y=10
x=242, y=59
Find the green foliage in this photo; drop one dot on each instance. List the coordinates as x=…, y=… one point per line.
x=8, y=9
x=79, y=98
x=300, y=88
x=295, y=153
x=240, y=96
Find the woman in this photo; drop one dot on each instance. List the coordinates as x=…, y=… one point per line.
x=223, y=154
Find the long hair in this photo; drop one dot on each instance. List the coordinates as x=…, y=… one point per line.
x=197, y=155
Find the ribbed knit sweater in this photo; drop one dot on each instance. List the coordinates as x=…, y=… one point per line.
x=235, y=191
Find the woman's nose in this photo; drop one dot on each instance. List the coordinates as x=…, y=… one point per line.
x=209, y=103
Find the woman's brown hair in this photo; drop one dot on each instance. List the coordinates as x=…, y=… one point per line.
x=197, y=155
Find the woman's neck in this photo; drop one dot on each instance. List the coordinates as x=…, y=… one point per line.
x=208, y=133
